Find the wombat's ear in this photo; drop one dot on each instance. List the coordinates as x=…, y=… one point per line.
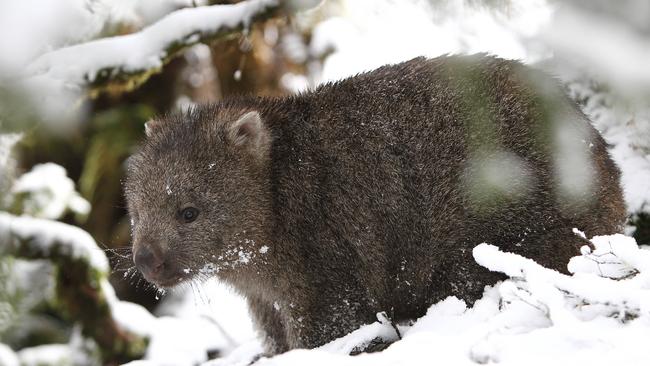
x=250, y=131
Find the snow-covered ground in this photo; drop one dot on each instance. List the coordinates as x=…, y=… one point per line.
x=600, y=315
x=537, y=317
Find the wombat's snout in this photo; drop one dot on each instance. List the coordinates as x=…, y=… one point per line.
x=149, y=262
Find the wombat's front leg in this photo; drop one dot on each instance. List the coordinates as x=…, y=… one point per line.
x=318, y=324
x=268, y=321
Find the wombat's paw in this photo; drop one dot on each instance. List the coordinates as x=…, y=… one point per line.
x=378, y=344
x=258, y=357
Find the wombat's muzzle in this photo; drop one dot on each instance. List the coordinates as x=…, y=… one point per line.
x=150, y=263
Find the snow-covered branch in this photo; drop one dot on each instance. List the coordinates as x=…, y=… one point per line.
x=613, y=277
x=125, y=62
x=80, y=280
x=32, y=238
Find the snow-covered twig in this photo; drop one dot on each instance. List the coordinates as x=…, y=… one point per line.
x=125, y=62
x=591, y=284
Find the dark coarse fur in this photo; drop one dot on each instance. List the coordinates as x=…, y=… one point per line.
x=368, y=194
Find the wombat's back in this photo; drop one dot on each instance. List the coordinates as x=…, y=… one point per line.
x=401, y=171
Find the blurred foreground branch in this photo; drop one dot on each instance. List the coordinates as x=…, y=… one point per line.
x=82, y=271
x=123, y=63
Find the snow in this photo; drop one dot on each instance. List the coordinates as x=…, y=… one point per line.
x=49, y=193
x=360, y=35
x=51, y=354
x=626, y=127
x=183, y=332
x=608, y=261
x=215, y=302
x=361, y=337
x=7, y=356
x=241, y=356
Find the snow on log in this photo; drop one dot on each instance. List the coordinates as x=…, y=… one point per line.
x=124, y=62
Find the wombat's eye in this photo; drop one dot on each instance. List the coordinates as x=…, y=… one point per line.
x=189, y=214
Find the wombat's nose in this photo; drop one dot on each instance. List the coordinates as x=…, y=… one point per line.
x=148, y=262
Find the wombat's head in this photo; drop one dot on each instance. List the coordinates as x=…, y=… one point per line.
x=198, y=194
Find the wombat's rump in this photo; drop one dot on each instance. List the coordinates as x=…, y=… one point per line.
x=368, y=194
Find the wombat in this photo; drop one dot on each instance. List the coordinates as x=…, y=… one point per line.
x=369, y=194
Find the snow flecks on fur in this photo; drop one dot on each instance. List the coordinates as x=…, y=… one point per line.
x=242, y=254
x=208, y=269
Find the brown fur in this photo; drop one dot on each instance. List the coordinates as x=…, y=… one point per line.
x=368, y=192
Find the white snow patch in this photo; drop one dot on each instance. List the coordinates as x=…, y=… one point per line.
x=7, y=356
x=48, y=192
x=578, y=232
x=222, y=314
x=361, y=338
x=359, y=35
x=51, y=354
x=211, y=319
